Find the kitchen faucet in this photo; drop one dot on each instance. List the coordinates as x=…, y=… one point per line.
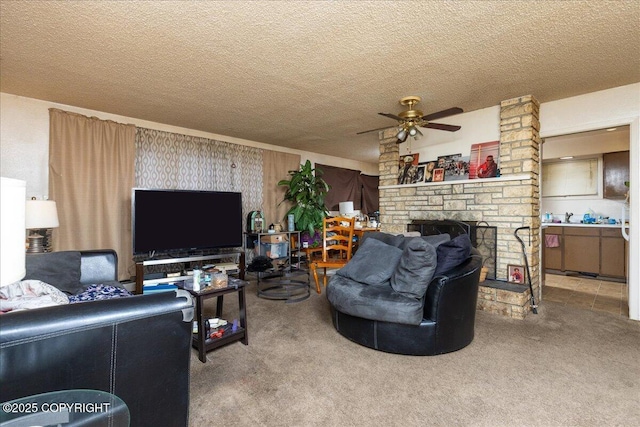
x=567, y=216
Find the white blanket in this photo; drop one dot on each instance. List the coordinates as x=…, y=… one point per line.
x=30, y=294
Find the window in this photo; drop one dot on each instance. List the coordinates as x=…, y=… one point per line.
x=576, y=177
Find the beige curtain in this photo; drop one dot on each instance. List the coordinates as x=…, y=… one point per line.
x=174, y=161
x=91, y=173
x=275, y=167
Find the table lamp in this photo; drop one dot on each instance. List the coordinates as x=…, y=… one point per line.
x=40, y=215
x=346, y=208
x=12, y=225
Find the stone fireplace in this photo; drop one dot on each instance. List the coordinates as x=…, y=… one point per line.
x=507, y=202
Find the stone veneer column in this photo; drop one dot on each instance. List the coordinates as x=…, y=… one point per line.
x=520, y=153
x=393, y=215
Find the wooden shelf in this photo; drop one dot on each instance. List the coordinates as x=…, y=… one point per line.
x=140, y=266
x=519, y=177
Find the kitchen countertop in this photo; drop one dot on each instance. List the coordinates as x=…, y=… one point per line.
x=577, y=224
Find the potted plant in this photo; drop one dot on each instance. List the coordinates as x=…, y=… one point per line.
x=306, y=190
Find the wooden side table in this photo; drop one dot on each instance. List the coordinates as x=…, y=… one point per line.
x=203, y=343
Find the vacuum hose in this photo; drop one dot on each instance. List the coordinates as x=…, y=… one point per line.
x=534, y=307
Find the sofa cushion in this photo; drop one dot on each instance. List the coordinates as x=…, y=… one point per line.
x=373, y=263
x=59, y=269
x=437, y=239
x=390, y=239
x=434, y=239
x=453, y=253
x=416, y=268
x=373, y=302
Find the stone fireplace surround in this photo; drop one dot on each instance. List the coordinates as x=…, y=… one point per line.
x=507, y=202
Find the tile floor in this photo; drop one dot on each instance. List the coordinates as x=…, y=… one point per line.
x=588, y=293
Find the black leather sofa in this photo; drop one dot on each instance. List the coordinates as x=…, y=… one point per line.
x=448, y=310
x=136, y=348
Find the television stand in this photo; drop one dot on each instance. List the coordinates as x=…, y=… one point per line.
x=140, y=267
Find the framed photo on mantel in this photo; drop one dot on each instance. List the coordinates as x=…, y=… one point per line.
x=438, y=175
x=455, y=166
x=483, y=161
x=430, y=166
x=408, y=169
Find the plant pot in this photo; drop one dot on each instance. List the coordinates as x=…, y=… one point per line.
x=483, y=273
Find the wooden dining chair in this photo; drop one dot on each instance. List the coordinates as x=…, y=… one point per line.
x=337, y=245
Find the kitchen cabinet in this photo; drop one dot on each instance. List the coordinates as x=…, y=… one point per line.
x=593, y=250
x=616, y=172
x=612, y=253
x=553, y=256
x=582, y=249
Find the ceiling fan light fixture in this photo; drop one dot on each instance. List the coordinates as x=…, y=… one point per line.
x=401, y=135
x=413, y=131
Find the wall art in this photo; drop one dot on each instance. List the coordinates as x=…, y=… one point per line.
x=483, y=162
x=408, y=169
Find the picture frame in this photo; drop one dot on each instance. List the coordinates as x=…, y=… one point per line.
x=408, y=168
x=456, y=166
x=515, y=274
x=420, y=173
x=481, y=153
x=430, y=166
x=438, y=175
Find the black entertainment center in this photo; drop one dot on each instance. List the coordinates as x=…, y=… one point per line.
x=174, y=231
x=177, y=231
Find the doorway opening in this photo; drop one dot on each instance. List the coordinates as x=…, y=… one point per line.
x=581, y=269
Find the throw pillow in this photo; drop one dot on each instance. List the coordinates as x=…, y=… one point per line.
x=434, y=239
x=373, y=263
x=389, y=239
x=415, y=269
x=59, y=269
x=453, y=253
x=437, y=239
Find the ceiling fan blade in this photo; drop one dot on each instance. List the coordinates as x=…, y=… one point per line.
x=373, y=130
x=391, y=116
x=443, y=113
x=441, y=126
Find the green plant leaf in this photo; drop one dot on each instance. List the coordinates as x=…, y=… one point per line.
x=306, y=190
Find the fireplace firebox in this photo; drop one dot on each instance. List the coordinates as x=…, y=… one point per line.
x=483, y=236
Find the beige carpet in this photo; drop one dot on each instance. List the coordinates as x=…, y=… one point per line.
x=563, y=367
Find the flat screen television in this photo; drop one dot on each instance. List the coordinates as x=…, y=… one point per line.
x=165, y=221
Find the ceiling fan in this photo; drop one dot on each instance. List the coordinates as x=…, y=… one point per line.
x=410, y=119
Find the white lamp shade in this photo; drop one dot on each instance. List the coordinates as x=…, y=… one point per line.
x=12, y=219
x=346, y=208
x=41, y=214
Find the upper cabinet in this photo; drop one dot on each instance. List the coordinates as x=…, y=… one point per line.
x=616, y=172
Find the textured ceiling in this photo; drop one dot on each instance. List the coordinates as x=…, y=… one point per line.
x=309, y=75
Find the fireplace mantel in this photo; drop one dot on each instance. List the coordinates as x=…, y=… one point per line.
x=519, y=177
